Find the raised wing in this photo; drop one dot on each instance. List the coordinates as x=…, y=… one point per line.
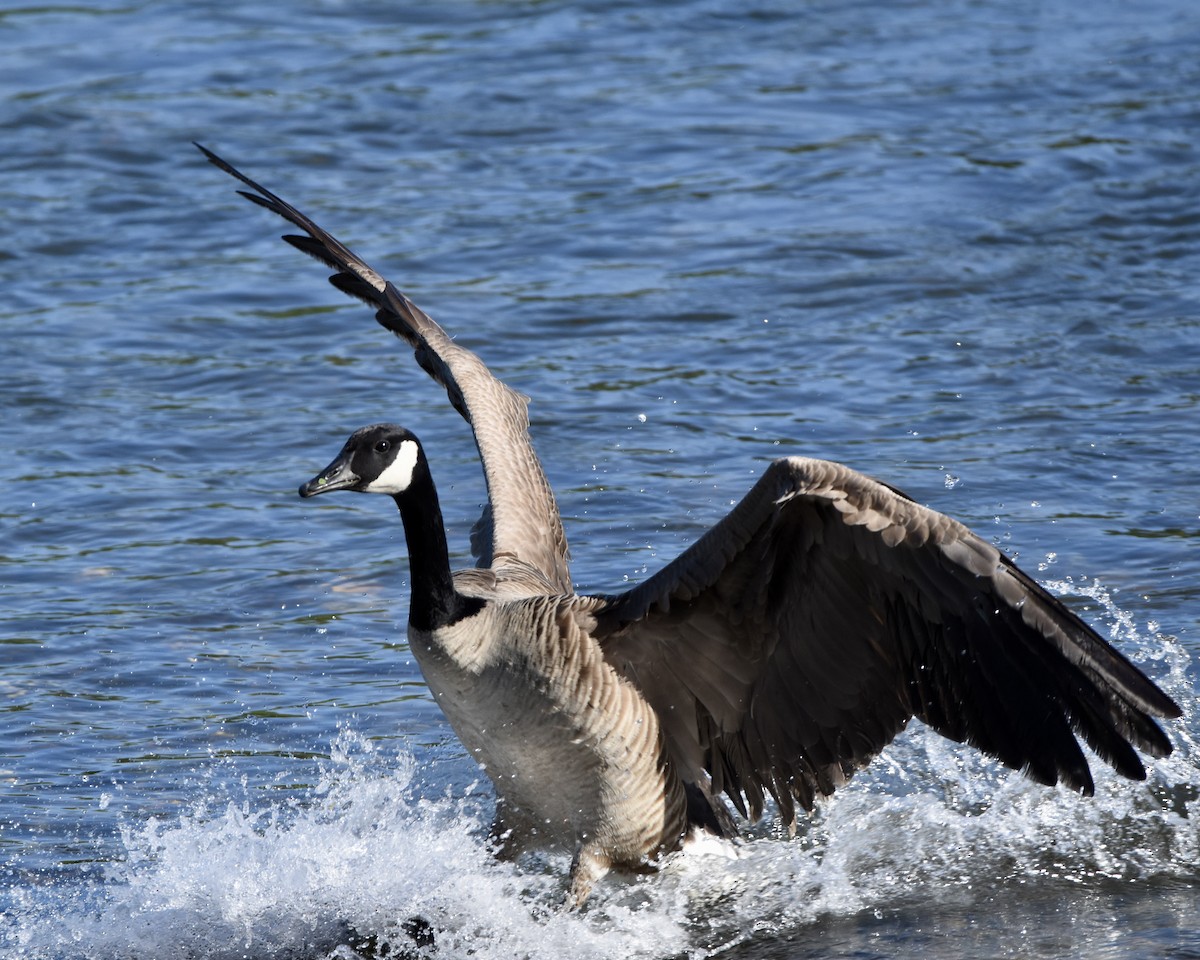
x=794, y=640
x=520, y=525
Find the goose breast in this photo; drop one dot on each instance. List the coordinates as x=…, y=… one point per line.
x=568, y=741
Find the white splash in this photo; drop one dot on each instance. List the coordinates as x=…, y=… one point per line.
x=366, y=856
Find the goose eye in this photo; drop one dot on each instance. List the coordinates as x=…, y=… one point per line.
x=383, y=446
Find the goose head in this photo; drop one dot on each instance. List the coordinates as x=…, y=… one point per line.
x=382, y=458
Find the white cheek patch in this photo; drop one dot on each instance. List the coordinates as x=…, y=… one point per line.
x=398, y=474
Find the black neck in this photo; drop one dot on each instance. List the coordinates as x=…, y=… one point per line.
x=434, y=602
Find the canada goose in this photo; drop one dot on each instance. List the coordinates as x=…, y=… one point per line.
x=774, y=657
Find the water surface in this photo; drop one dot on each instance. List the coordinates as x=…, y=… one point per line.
x=954, y=245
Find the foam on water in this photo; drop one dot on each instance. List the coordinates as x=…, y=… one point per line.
x=366, y=851
x=365, y=855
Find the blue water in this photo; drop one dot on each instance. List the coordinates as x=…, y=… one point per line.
x=954, y=245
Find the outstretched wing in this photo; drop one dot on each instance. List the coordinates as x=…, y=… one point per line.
x=794, y=640
x=521, y=522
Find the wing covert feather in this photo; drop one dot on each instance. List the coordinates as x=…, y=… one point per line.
x=799, y=635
